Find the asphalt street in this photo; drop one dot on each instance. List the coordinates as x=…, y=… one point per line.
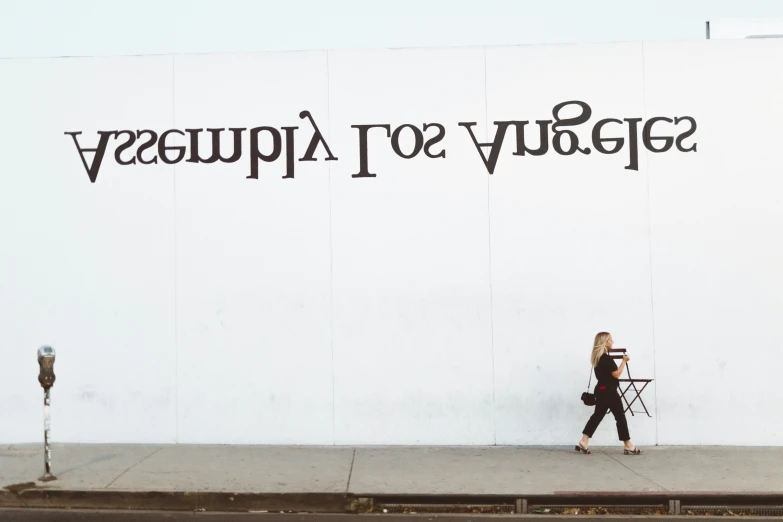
x=50, y=515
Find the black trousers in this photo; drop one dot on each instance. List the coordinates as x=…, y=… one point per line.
x=606, y=400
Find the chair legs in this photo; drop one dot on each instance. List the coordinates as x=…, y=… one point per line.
x=638, y=392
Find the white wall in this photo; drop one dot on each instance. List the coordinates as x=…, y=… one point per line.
x=253, y=259
x=570, y=245
x=432, y=304
x=87, y=268
x=716, y=228
x=732, y=29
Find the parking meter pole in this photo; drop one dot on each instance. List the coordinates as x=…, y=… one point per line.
x=47, y=476
x=46, y=377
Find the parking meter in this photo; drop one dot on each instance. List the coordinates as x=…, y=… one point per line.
x=46, y=378
x=46, y=366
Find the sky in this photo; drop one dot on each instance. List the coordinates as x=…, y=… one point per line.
x=36, y=28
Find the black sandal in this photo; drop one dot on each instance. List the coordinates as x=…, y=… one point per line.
x=635, y=451
x=579, y=447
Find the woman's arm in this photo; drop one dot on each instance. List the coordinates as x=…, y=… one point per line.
x=616, y=374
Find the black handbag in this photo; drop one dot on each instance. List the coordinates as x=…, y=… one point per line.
x=587, y=397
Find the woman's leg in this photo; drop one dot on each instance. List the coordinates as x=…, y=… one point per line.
x=592, y=424
x=616, y=406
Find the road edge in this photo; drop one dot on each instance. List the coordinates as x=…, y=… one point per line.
x=175, y=500
x=37, y=497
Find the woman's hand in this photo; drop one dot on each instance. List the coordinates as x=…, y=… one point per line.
x=617, y=373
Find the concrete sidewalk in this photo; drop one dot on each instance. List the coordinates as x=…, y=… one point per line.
x=330, y=475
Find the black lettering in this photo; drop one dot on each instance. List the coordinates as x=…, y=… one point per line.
x=255, y=154
x=125, y=146
x=418, y=142
x=543, y=147
x=432, y=141
x=364, y=171
x=633, y=142
x=598, y=141
x=100, y=150
x=557, y=142
x=494, y=151
x=289, y=151
x=686, y=134
x=648, y=138
x=316, y=139
x=163, y=149
x=216, y=154
x=146, y=145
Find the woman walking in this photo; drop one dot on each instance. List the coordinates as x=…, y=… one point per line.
x=606, y=397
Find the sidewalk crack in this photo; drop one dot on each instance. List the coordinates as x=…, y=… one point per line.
x=350, y=473
x=635, y=472
x=132, y=466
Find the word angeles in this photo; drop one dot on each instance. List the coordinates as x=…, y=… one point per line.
x=607, y=136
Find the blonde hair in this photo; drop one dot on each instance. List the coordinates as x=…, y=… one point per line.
x=599, y=347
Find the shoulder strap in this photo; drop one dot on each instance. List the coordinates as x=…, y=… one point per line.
x=590, y=380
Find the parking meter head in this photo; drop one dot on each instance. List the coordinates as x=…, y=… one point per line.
x=46, y=366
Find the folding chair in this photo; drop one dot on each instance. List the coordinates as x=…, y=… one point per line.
x=631, y=384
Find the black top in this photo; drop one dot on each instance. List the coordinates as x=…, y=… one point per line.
x=603, y=372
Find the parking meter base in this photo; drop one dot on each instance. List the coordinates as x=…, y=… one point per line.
x=47, y=477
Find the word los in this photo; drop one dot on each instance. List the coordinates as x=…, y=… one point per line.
x=147, y=146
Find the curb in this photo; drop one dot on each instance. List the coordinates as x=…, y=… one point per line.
x=589, y=497
x=658, y=503
x=175, y=501
x=673, y=503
